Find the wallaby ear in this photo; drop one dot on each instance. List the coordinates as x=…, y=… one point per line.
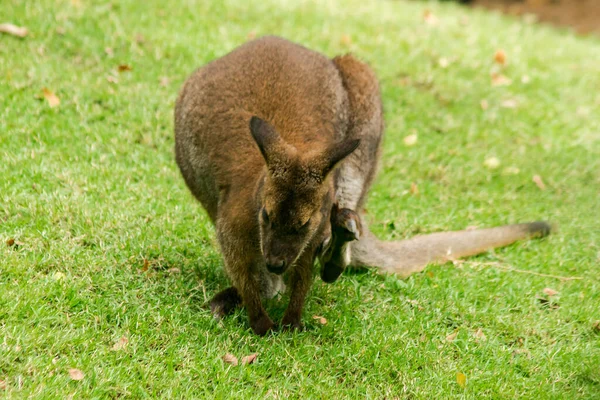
x=265, y=137
x=337, y=152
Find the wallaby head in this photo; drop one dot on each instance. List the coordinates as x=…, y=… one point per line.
x=295, y=195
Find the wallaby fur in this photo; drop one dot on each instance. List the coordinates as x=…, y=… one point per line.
x=280, y=145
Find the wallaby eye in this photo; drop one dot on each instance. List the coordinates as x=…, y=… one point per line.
x=264, y=215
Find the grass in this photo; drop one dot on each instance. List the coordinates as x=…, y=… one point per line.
x=90, y=190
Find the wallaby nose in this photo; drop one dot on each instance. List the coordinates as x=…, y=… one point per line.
x=276, y=266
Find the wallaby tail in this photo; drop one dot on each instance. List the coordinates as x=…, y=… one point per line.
x=406, y=257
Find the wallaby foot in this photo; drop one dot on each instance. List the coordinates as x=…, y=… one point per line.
x=262, y=324
x=225, y=302
x=345, y=227
x=292, y=323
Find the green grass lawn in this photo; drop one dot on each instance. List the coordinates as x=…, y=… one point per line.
x=110, y=244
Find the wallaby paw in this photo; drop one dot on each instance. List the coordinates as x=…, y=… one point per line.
x=330, y=272
x=289, y=324
x=225, y=302
x=262, y=325
x=345, y=224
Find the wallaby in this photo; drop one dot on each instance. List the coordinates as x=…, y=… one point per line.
x=280, y=145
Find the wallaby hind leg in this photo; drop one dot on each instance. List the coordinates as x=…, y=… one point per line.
x=225, y=302
x=365, y=122
x=355, y=175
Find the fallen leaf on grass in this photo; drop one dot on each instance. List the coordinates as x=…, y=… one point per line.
x=146, y=265
x=492, y=163
x=500, y=57
x=451, y=337
x=14, y=30
x=321, y=320
x=120, y=344
x=539, y=182
x=500, y=80
x=509, y=103
x=550, y=292
x=230, y=359
x=479, y=334
x=53, y=100
x=246, y=360
x=2, y=385
x=411, y=140
x=10, y=242
x=414, y=189
x=430, y=18
x=346, y=40
x=76, y=374
x=124, y=68
x=511, y=170
x=461, y=379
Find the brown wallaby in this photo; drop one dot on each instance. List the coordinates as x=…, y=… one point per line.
x=280, y=145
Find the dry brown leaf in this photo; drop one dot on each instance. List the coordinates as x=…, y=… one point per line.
x=411, y=140
x=452, y=336
x=124, y=68
x=246, y=360
x=500, y=57
x=509, y=103
x=321, y=320
x=414, y=189
x=2, y=385
x=10, y=242
x=461, y=379
x=539, y=182
x=430, y=18
x=479, y=334
x=511, y=170
x=549, y=292
x=230, y=359
x=500, y=80
x=14, y=30
x=492, y=163
x=53, y=100
x=346, y=40
x=76, y=374
x=146, y=265
x=484, y=104
x=120, y=344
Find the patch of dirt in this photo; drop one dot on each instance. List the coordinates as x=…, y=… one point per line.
x=581, y=15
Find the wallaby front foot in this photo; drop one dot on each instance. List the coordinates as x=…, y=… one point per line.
x=291, y=322
x=225, y=302
x=262, y=324
x=345, y=227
